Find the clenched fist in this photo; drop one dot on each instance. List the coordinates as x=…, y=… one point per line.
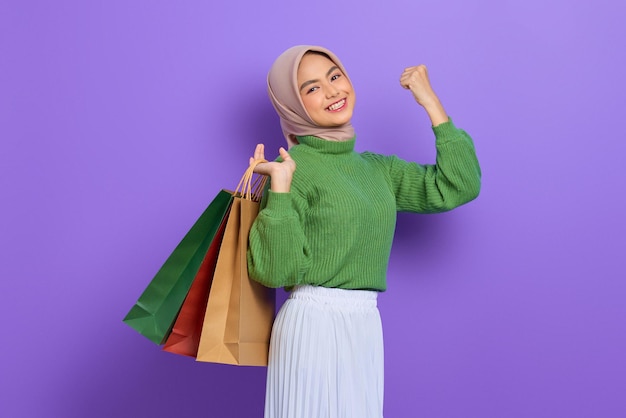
x=416, y=79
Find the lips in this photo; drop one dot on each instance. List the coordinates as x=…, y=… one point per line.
x=337, y=106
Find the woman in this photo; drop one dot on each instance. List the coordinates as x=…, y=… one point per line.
x=325, y=232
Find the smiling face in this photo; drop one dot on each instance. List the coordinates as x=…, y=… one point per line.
x=326, y=92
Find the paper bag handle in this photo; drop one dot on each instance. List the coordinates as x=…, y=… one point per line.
x=249, y=189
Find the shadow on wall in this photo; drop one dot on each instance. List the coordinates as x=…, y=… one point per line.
x=427, y=240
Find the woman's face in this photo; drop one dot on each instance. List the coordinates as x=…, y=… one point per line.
x=326, y=92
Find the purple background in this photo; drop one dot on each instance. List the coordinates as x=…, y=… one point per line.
x=120, y=120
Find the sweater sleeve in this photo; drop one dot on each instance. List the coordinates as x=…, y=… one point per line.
x=277, y=254
x=452, y=181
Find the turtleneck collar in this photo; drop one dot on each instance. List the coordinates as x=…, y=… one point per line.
x=327, y=147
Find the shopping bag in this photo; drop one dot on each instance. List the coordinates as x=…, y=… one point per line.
x=185, y=336
x=157, y=308
x=239, y=313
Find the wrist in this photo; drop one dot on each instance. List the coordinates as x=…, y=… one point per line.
x=280, y=182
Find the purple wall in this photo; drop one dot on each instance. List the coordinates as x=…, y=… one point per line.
x=120, y=120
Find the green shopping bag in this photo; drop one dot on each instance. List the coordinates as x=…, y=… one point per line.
x=157, y=308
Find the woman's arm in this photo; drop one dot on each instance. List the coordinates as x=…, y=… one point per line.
x=430, y=188
x=277, y=253
x=454, y=179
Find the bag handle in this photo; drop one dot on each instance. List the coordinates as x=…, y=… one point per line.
x=249, y=189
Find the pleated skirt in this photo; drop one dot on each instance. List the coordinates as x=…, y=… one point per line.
x=326, y=356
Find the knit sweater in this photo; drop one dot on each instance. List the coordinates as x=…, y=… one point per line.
x=336, y=225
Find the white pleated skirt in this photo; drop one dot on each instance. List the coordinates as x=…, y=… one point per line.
x=326, y=356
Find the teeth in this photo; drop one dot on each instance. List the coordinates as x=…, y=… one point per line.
x=337, y=105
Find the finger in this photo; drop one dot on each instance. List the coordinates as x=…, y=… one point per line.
x=405, y=81
x=422, y=71
x=416, y=68
x=409, y=74
x=284, y=154
x=419, y=70
x=261, y=169
x=259, y=152
x=256, y=151
x=406, y=74
x=415, y=77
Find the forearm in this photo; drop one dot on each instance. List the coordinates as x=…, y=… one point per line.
x=281, y=181
x=436, y=112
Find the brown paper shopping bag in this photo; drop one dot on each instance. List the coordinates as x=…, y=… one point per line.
x=239, y=313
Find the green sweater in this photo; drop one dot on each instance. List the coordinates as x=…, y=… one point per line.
x=336, y=225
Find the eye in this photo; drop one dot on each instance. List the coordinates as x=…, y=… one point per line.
x=335, y=76
x=311, y=90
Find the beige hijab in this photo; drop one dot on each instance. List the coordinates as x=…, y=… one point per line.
x=282, y=87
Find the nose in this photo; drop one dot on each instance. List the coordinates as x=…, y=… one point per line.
x=331, y=91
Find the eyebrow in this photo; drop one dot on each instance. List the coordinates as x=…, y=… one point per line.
x=306, y=83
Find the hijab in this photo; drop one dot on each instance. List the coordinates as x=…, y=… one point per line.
x=282, y=87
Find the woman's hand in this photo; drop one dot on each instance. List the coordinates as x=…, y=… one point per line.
x=281, y=173
x=416, y=79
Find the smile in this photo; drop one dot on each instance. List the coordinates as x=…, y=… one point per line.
x=337, y=105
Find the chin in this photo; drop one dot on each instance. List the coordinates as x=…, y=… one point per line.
x=334, y=121
x=343, y=120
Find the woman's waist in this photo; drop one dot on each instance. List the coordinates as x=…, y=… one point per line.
x=335, y=296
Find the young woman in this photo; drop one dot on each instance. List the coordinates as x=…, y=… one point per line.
x=325, y=232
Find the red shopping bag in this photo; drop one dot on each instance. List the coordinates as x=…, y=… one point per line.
x=185, y=336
